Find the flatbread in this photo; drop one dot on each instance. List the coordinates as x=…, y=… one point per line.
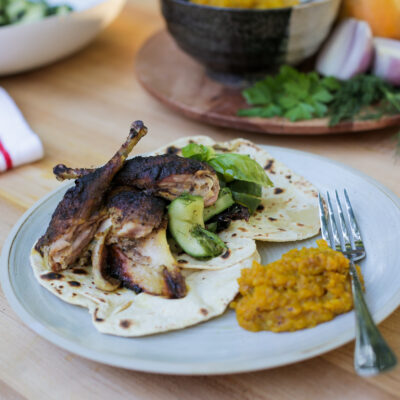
x=289, y=210
x=125, y=313
x=238, y=249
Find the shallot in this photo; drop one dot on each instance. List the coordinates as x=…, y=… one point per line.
x=387, y=60
x=348, y=51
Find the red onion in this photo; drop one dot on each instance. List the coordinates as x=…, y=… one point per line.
x=348, y=51
x=387, y=60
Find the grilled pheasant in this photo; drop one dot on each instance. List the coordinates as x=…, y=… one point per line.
x=133, y=214
x=166, y=175
x=130, y=246
x=79, y=214
x=147, y=265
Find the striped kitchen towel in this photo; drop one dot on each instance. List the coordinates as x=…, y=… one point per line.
x=18, y=143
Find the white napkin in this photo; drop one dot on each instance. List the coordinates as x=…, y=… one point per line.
x=18, y=143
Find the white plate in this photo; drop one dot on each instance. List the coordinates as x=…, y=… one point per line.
x=27, y=46
x=219, y=346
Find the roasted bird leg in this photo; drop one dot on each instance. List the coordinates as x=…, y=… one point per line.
x=166, y=175
x=78, y=215
x=62, y=172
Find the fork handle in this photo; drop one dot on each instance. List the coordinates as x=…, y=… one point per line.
x=372, y=354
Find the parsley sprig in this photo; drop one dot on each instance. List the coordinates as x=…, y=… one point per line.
x=290, y=94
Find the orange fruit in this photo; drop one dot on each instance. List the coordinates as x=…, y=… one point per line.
x=382, y=15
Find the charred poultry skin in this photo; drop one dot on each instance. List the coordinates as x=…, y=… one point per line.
x=132, y=214
x=131, y=248
x=78, y=215
x=100, y=267
x=121, y=223
x=147, y=265
x=166, y=175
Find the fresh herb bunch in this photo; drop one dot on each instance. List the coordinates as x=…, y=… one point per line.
x=357, y=95
x=290, y=94
x=302, y=96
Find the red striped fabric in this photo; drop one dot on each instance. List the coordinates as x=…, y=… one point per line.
x=6, y=156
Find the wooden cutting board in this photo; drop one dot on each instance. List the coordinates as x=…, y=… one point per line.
x=182, y=84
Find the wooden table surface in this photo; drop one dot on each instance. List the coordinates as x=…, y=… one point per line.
x=82, y=107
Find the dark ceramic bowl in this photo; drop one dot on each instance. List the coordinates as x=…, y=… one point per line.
x=247, y=41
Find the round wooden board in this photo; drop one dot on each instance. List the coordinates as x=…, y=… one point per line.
x=181, y=83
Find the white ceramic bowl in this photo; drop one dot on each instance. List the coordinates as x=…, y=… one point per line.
x=27, y=46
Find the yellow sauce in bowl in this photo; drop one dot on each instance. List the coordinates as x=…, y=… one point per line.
x=304, y=288
x=259, y=4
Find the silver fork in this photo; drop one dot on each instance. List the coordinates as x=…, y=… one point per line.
x=372, y=354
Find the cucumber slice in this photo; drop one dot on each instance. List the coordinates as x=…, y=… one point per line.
x=212, y=227
x=186, y=225
x=224, y=201
x=213, y=246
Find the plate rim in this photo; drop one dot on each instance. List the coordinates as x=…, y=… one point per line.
x=186, y=368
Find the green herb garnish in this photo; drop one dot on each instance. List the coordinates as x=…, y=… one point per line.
x=229, y=166
x=198, y=152
x=302, y=96
x=356, y=95
x=244, y=176
x=239, y=167
x=291, y=94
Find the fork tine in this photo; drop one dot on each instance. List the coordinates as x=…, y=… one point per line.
x=343, y=226
x=336, y=240
x=355, y=230
x=324, y=221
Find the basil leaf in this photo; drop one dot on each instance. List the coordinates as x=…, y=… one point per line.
x=241, y=167
x=246, y=187
x=198, y=152
x=247, y=194
x=247, y=200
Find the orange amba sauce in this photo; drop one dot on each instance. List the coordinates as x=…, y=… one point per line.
x=304, y=288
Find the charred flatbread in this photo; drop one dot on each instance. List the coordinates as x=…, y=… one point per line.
x=288, y=212
x=125, y=313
